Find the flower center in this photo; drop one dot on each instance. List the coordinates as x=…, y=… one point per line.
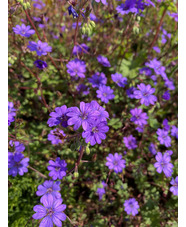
x=49, y=190
x=94, y=130
x=105, y=94
x=50, y=212
x=57, y=168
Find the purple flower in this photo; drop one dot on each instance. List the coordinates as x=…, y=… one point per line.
x=166, y=95
x=95, y=132
x=98, y=79
x=103, y=114
x=79, y=49
x=130, y=92
x=83, y=117
x=115, y=162
x=49, y=187
x=131, y=206
x=56, y=136
x=100, y=192
x=145, y=94
x=51, y=212
x=23, y=30
x=19, y=147
x=119, y=79
x=72, y=11
x=152, y=148
x=57, y=169
x=103, y=60
x=105, y=93
x=138, y=117
x=166, y=126
x=158, y=69
x=77, y=68
x=174, y=188
x=146, y=71
x=157, y=49
x=103, y=1
x=174, y=15
x=169, y=84
x=163, y=137
x=163, y=164
x=81, y=88
x=39, y=4
x=130, y=6
x=39, y=47
x=11, y=113
x=17, y=164
x=169, y=152
x=140, y=128
x=58, y=117
x=174, y=131
x=130, y=142
x=40, y=64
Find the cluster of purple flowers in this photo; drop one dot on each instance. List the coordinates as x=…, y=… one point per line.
x=115, y=162
x=160, y=70
x=133, y=6
x=91, y=116
x=17, y=163
x=11, y=113
x=139, y=118
x=101, y=191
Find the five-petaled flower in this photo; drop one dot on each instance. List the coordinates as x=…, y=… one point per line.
x=23, y=30
x=131, y=206
x=105, y=93
x=57, y=169
x=51, y=212
x=40, y=47
x=115, y=162
x=145, y=94
x=163, y=164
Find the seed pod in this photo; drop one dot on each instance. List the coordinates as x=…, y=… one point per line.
x=92, y=23
x=83, y=30
x=87, y=150
x=89, y=31
x=28, y=5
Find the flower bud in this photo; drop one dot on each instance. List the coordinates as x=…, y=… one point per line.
x=87, y=150
x=76, y=174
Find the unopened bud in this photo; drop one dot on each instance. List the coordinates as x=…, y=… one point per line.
x=76, y=174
